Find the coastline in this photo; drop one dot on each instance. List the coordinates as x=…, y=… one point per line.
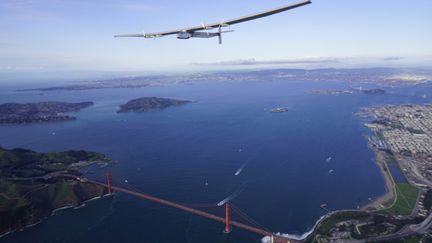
x=53, y=213
x=388, y=198
x=60, y=209
x=303, y=236
x=384, y=201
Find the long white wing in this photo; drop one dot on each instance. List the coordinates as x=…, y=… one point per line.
x=224, y=23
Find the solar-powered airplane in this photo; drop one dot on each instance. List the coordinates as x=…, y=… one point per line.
x=202, y=31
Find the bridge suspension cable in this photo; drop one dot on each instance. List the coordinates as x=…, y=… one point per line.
x=255, y=227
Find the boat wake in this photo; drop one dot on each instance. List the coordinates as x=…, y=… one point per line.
x=235, y=194
x=267, y=239
x=241, y=169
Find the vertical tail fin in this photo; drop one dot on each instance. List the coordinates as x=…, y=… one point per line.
x=220, y=35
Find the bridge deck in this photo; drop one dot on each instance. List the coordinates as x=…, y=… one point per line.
x=277, y=238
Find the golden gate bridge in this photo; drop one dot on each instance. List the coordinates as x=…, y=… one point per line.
x=227, y=221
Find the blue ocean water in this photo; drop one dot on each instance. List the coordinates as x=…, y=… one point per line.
x=190, y=154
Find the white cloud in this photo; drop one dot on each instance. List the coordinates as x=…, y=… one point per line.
x=317, y=62
x=253, y=61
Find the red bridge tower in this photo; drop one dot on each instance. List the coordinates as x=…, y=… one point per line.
x=109, y=182
x=227, y=218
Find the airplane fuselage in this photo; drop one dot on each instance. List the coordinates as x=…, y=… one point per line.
x=184, y=35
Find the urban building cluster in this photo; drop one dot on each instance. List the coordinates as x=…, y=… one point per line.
x=406, y=129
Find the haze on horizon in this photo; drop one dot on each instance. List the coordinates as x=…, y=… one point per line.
x=59, y=36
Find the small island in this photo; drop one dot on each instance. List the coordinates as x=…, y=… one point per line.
x=279, y=110
x=350, y=91
x=150, y=103
x=33, y=185
x=14, y=113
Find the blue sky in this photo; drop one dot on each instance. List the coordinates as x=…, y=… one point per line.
x=66, y=35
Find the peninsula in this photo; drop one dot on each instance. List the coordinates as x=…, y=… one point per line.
x=150, y=103
x=14, y=113
x=33, y=185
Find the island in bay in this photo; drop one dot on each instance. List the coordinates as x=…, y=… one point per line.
x=33, y=185
x=14, y=113
x=279, y=110
x=150, y=103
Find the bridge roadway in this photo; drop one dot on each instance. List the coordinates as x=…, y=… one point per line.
x=276, y=238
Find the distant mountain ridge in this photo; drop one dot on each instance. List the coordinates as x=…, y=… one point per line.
x=388, y=76
x=14, y=113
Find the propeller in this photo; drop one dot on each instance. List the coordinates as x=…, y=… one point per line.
x=205, y=28
x=145, y=36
